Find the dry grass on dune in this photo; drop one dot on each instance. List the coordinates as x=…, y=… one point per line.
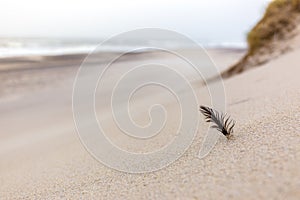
x=271, y=36
x=278, y=20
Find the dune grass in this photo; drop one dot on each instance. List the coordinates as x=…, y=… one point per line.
x=278, y=19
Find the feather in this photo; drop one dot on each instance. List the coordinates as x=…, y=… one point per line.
x=220, y=121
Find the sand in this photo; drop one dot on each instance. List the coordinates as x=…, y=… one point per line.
x=43, y=158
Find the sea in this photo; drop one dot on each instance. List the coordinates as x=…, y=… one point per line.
x=15, y=47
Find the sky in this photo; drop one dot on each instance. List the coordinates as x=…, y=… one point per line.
x=212, y=21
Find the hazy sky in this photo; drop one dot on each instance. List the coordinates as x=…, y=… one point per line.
x=209, y=20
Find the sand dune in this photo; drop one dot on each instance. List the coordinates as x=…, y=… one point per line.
x=42, y=157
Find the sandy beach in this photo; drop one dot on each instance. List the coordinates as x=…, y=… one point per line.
x=42, y=157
